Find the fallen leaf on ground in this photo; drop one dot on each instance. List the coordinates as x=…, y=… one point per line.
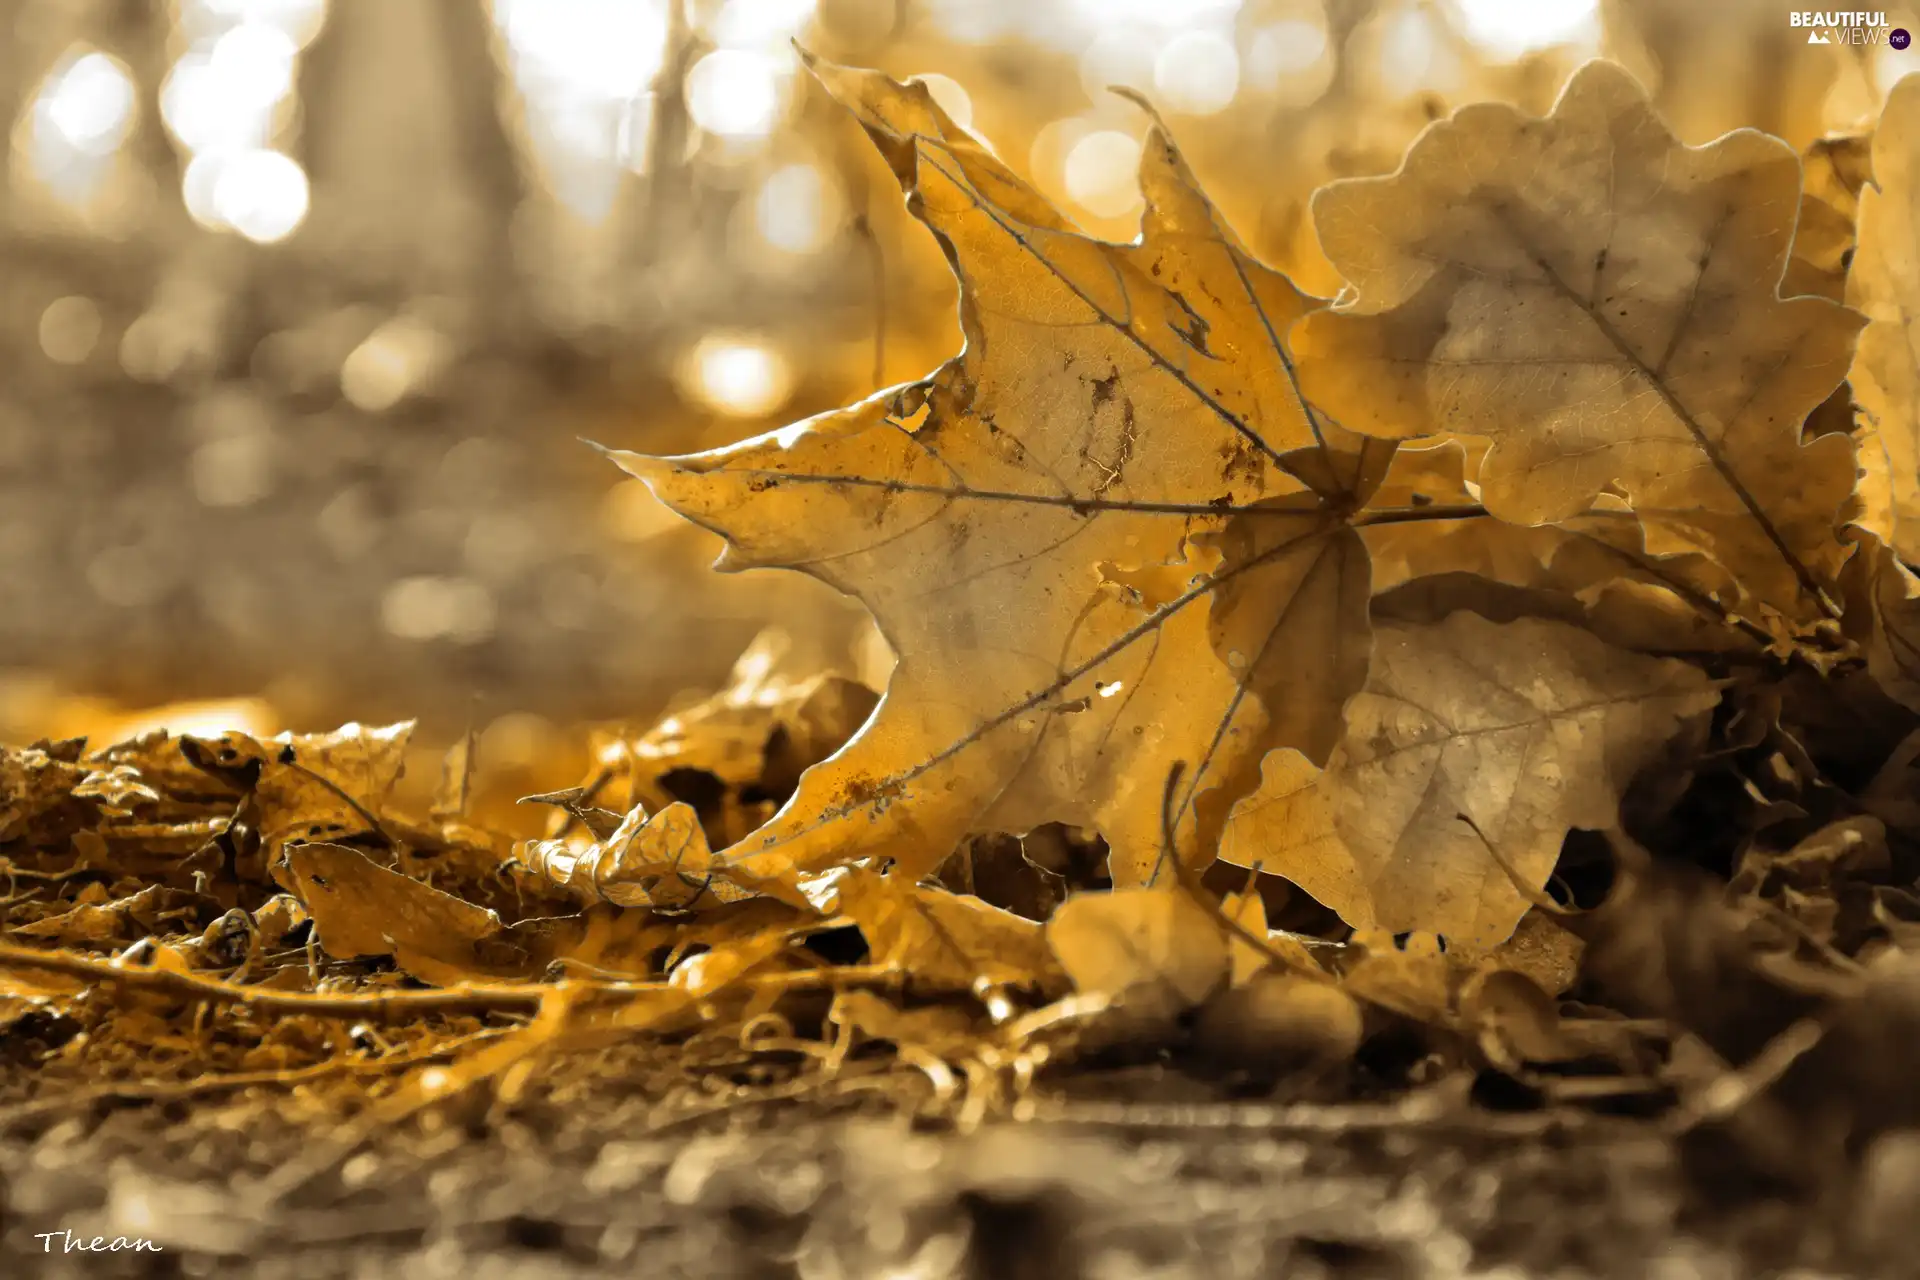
x=940, y=939
x=1155, y=952
x=121, y=920
x=34, y=785
x=659, y=861
x=310, y=786
x=1883, y=618
x=1107, y=537
x=360, y=908
x=1529, y=728
x=735, y=755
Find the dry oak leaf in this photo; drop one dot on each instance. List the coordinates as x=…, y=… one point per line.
x=118, y=920
x=1107, y=537
x=1598, y=559
x=1530, y=728
x=1834, y=170
x=1884, y=282
x=1602, y=303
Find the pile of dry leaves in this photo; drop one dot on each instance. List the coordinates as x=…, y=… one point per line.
x=1493, y=689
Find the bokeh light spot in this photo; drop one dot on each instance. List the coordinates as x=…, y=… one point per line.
x=1118, y=58
x=1509, y=28
x=760, y=24
x=69, y=329
x=90, y=104
x=1198, y=73
x=433, y=607
x=951, y=97
x=736, y=374
x=798, y=209
x=392, y=362
x=1103, y=173
x=734, y=93
x=235, y=471
x=261, y=194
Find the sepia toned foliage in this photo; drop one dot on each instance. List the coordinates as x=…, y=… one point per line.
x=1469, y=734
x=1277, y=679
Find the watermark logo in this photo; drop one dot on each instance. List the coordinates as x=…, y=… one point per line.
x=70, y=1243
x=1839, y=27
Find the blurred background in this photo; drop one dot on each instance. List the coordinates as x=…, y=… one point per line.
x=303, y=303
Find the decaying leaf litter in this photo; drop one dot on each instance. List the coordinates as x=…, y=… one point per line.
x=1495, y=683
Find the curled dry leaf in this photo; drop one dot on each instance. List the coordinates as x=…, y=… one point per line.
x=360, y=908
x=1494, y=1000
x=1529, y=728
x=1602, y=303
x=732, y=755
x=1107, y=537
x=1514, y=1021
x=119, y=788
x=1883, y=618
x=310, y=786
x=1884, y=282
x=1593, y=569
x=938, y=1030
x=1414, y=977
x=104, y=922
x=1156, y=952
x=940, y=940
x=1808, y=882
x=659, y=861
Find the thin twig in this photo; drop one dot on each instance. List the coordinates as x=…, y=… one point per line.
x=1531, y=893
x=1419, y=1112
x=1735, y=1088
x=1189, y=880
x=464, y=999
x=173, y=1090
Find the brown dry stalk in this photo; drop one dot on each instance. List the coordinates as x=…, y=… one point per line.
x=385, y=1004
x=522, y=997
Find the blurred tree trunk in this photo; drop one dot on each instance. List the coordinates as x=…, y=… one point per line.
x=1722, y=66
x=652, y=209
x=415, y=180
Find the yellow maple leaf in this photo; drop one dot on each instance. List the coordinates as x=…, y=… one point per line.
x=1108, y=537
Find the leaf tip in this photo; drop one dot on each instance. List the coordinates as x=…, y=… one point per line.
x=641, y=466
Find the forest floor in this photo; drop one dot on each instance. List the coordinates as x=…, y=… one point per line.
x=1100, y=1184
